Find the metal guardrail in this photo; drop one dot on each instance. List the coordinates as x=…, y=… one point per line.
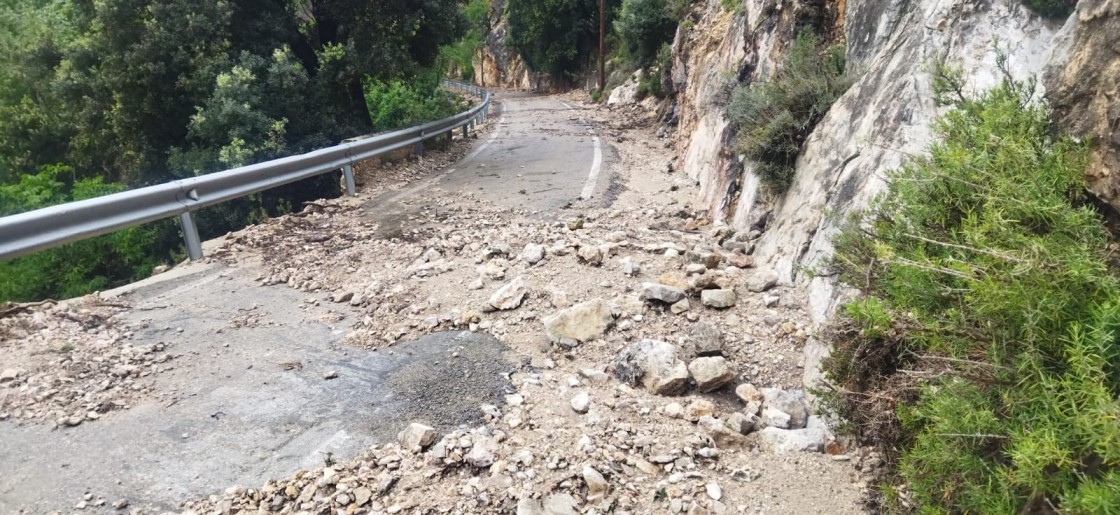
x=29, y=232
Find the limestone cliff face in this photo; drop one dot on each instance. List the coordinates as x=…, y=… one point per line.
x=498, y=65
x=1084, y=89
x=883, y=118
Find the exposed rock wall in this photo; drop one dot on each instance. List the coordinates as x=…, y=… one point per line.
x=868, y=132
x=1084, y=89
x=498, y=65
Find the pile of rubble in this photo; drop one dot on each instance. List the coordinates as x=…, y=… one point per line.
x=70, y=362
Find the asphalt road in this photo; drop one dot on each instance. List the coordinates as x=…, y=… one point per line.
x=238, y=416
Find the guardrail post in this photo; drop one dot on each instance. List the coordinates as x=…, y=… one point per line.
x=190, y=235
x=466, y=131
x=348, y=174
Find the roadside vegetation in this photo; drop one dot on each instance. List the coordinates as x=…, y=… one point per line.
x=773, y=119
x=983, y=356
x=1051, y=8
x=105, y=96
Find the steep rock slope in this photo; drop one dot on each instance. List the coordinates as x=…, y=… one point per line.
x=1084, y=89
x=869, y=131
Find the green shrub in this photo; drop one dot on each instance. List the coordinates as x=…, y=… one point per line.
x=984, y=358
x=397, y=104
x=645, y=26
x=774, y=118
x=1051, y=8
x=77, y=268
x=733, y=6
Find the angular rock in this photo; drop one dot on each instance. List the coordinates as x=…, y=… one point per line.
x=707, y=339
x=581, y=322
x=597, y=486
x=416, y=437
x=482, y=452
x=698, y=409
x=711, y=373
x=341, y=296
x=772, y=417
x=655, y=364
x=723, y=436
x=719, y=299
x=741, y=423
x=509, y=296
x=581, y=402
x=630, y=268
x=533, y=253
x=680, y=307
x=748, y=393
x=713, y=490
x=762, y=280
x=661, y=292
x=591, y=254
x=784, y=441
x=9, y=374
x=673, y=410
x=790, y=402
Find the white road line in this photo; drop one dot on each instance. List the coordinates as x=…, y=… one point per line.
x=596, y=162
x=593, y=177
x=493, y=136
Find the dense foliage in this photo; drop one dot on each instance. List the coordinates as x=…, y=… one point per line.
x=138, y=92
x=554, y=36
x=985, y=351
x=645, y=27
x=774, y=118
x=459, y=56
x=76, y=268
x=398, y=103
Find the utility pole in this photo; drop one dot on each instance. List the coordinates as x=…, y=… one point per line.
x=602, y=50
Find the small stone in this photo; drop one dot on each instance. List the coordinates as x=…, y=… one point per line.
x=509, y=296
x=9, y=374
x=341, y=297
x=713, y=490
x=330, y=375
x=581, y=402
x=482, y=452
x=790, y=402
x=362, y=495
x=475, y=284
x=575, y=223
x=741, y=423
x=661, y=293
x=698, y=409
x=719, y=299
x=771, y=300
x=630, y=268
x=762, y=281
x=711, y=373
x=707, y=339
x=533, y=253
x=120, y=504
x=747, y=393
x=680, y=307
x=673, y=410
x=417, y=437
x=597, y=486
x=591, y=254
x=773, y=417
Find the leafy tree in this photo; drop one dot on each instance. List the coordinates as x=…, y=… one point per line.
x=644, y=26
x=554, y=36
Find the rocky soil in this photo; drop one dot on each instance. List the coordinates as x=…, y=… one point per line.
x=66, y=363
x=662, y=370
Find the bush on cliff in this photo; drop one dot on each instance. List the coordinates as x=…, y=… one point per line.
x=984, y=355
x=774, y=118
